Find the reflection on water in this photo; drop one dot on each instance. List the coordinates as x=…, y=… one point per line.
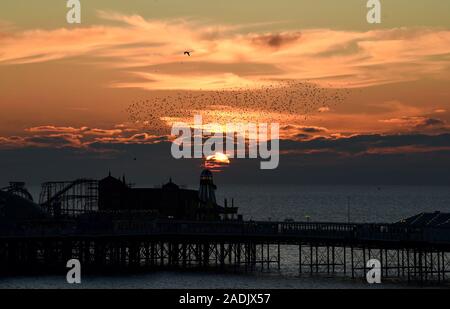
x=192, y=280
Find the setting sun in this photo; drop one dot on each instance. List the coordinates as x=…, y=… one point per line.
x=219, y=158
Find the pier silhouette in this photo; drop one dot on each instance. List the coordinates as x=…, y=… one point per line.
x=116, y=228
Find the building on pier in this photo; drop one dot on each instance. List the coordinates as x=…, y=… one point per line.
x=435, y=219
x=16, y=207
x=207, y=189
x=168, y=201
x=70, y=199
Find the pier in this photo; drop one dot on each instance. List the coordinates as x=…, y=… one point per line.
x=407, y=253
x=110, y=226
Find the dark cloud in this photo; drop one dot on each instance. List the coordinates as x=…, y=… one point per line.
x=276, y=40
x=349, y=160
x=302, y=132
x=302, y=136
x=362, y=143
x=420, y=124
x=346, y=49
x=57, y=140
x=313, y=129
x=430, y=122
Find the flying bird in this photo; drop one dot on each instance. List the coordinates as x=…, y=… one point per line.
x=188, y=53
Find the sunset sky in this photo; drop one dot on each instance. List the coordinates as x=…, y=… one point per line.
x=67, y=91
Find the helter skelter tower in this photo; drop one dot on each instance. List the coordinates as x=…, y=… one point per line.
x=207, y=187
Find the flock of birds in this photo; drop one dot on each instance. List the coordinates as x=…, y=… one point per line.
x=274, y=102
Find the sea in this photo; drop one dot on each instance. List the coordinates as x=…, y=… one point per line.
x=358, y=204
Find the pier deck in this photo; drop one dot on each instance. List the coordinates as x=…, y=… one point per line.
x=407, y=253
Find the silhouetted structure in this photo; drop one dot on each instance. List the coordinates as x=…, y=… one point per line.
x=18, y=188
x=207, y=187
x=171, y=227
x=169, y=201
x=69, y=198
x=16, y=208
x=436, y=219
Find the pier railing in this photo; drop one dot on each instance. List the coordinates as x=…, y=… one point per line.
x=280, y=230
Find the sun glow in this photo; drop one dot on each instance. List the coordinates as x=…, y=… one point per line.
x=219, y=158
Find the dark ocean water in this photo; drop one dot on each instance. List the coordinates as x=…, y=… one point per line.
x=319, y=203
x=331, y=203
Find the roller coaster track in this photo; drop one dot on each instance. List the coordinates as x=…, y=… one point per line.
x=69, y=198
x=18, y=188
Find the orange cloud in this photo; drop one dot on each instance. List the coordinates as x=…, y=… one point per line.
x=82, y=130
x=152, y=51
x=419, y=123
x=83, y=137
